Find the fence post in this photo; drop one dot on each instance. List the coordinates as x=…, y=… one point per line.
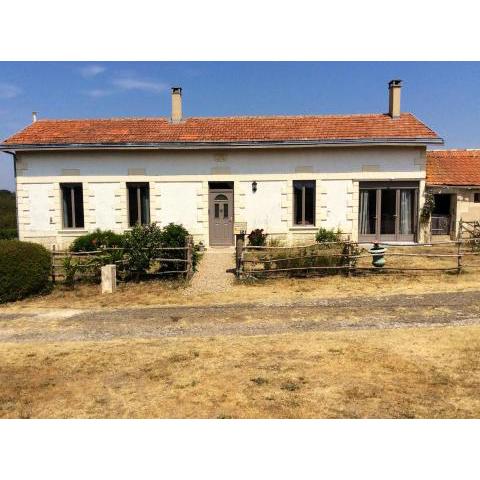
x=459, y=258
x=349, y=257
x=239, y=244
x=189, y=263
x=53, y=263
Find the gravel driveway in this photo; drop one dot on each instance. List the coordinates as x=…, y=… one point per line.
x=399, y=311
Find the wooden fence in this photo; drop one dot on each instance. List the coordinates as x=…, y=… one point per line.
x=350, y=258
x=87, y=264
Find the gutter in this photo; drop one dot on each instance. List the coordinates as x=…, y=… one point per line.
x=14, y=156
x=221, y=145
x=441, y=185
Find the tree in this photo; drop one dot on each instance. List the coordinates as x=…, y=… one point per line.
x=8, y=213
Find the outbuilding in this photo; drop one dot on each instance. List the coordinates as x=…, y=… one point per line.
x=453, y=180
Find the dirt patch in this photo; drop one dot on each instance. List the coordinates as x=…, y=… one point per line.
x=302, y=315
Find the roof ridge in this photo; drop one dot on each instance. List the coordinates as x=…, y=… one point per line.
x=227, y=117
x=106, y=119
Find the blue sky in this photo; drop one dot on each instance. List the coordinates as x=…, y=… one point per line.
x=445, y=95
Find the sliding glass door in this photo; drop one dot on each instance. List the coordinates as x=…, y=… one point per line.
x=387, y=211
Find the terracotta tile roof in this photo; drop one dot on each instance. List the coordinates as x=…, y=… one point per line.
x=453, y=167
x=335, y=128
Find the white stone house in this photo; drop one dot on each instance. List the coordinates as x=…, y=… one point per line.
x=289, y=175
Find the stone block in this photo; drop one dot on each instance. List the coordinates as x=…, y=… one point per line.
x=109, y=278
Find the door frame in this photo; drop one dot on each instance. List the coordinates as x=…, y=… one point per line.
x=397, y=186
x=211, y=193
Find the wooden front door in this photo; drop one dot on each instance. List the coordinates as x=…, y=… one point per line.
x=220, y=217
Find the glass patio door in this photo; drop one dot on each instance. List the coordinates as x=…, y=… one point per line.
x=388, y=214
x=387, y=211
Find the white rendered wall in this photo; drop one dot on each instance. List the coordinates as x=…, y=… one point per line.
x=179, y=185
x=365, y=162
x=102, y=201
x=39, y=203
x=178, y=204
x=335, y=203
x=263, y=209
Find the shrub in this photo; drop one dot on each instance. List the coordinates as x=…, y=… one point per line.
x=305, y=257
x=97, y=239
x=8, y=233
x=257, y=238
x=24, y=269
x=175, y=236
x=86, y=268
x=275, y=242
x=324, y=235
x=70, y=268
x=142, y=244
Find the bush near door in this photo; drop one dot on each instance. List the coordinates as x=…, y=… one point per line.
x=24, y=269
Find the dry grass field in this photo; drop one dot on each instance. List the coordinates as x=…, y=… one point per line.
x=281, y=290
x=401, y=373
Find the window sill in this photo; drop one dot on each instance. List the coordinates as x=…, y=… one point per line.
x=304, y=227
x=72, y=230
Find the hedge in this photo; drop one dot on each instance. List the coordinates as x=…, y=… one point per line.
x=8, y=233
x=24, y=269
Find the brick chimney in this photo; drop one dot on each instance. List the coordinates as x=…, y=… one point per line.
x=176, y=104
x=394, y=87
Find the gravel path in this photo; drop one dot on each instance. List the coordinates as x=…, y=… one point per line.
x=357, y=313
x=213, y=275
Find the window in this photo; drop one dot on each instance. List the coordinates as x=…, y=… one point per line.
x=138, y=204
x=72, y=205
x=304, y=202
x=476, y=197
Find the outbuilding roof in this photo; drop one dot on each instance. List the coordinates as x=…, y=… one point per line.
x=453, y=167
x=207, y=131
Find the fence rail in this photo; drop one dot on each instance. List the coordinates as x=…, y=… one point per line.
x=349, y=257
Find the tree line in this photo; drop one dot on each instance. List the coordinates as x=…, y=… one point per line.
x=8, y=214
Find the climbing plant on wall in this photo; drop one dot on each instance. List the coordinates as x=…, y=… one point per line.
x=428, y=207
